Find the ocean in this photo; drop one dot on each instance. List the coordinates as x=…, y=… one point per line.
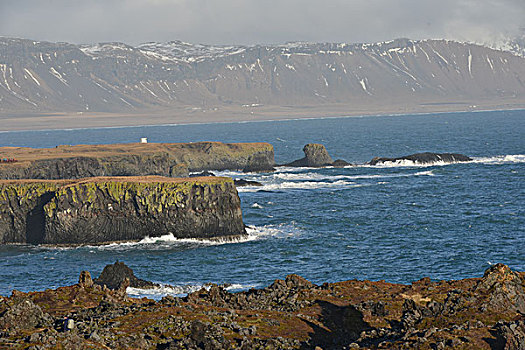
x=395, y=223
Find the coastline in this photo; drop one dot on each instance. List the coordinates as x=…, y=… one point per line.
x=293, y=313
x=232, y=114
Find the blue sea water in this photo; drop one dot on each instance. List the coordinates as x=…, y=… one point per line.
x=397, y=223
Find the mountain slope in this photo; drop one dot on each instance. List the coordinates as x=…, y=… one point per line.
x=115, y=77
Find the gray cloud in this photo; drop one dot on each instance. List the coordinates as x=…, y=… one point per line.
x=260, y=21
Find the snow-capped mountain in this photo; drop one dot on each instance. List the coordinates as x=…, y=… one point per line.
x=115, y=77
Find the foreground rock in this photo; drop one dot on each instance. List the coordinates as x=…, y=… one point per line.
x=113, y=277
x=101, y=210
x=424, y=158
x=163, y=159
x=316, y=156
x=476, y=313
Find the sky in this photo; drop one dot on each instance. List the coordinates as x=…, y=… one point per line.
x=261, y=21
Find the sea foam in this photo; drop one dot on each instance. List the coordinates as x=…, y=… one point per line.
x=503, y=159
x=180, y=290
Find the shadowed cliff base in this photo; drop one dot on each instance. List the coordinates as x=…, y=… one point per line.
x=474, y=313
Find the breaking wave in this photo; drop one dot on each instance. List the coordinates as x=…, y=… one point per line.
x=312, y=181
x=180, y=290
x=408, y=163
x=501, y=159
x=305, y=185
x=254, y=233
x=320, y=176
x=504, y=159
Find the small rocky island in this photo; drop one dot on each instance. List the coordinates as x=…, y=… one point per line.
x=474, y=313
x=110, y=209
x=424, y=158
x=316, y=156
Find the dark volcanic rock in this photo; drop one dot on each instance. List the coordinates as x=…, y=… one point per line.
x=425, y=158
x=23, y=314
x=161, y=164
x=114, y=275
x=504, y=289
x=161, y=159
x=84, y=280
x=474, y=313
x=242, y=183
x=102, y=210
x=259, y=162
x=510, y=335
x=315, y=155
x=340, y=163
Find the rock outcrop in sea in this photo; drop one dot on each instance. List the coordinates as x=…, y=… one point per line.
x=294, y=313
x=163, y=159
x=424, y=158
x=101, y=210
x=316, y=156
x=113, y=276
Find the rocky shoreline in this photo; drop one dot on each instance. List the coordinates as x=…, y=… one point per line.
x=475, y=313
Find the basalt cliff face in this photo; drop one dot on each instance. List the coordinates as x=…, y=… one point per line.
x=101, y=210
x=166, y=159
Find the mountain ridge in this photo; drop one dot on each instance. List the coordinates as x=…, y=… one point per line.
x=45, y=77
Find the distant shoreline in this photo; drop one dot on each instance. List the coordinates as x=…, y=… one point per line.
x=223, y=115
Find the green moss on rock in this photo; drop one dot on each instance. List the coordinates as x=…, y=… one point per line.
x=118, y=209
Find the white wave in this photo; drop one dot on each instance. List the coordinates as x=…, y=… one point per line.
x=179, y=290
x=257, y=206
x=319, y=176
x=286, y=169
x=407, y=163
x=228, y=173
x=170, y=240
x=276, y=184
x=305, y=185
x=303, y=176
x=254, y=233
x=509, y=158
x=277, y=231
x=501, y=159
x=424, y=173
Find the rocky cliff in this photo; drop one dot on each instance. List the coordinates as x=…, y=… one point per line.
x=166, y=159
x=100, y=210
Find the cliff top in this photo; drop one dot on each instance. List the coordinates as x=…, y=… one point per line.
x=134, y=179
x=26, y=154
